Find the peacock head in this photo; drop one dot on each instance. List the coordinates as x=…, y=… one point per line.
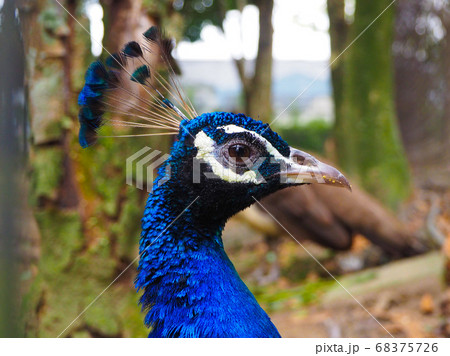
x=228, y=159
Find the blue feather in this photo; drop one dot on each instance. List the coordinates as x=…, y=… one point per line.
x=151, y=34
x=141, y=74
x=90, y=116
x=191, y=288
x=132, y=49
x=116, y=61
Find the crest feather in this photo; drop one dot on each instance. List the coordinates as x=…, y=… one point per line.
x=130, y=90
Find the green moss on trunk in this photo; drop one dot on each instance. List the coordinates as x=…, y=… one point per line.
x=367, y=136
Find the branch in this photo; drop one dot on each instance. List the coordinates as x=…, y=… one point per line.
x=240, y=65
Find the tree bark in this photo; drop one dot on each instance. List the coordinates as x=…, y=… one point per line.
x=444, y=136
x=88, y=218
x=123, y=21
x=13, y=150
x=338, y=42
x=259, y=94
x=422, y=74
x=257, y=85
x=367, y=137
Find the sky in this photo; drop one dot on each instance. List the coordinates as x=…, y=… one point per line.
x=300, y=33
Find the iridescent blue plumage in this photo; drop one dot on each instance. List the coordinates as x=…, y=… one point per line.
x=191, y=288
x=97, y=80
x=141, y=75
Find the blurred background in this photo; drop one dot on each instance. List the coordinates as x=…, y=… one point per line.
x=362, y=84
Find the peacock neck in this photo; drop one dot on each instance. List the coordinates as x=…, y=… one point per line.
x=191, y=288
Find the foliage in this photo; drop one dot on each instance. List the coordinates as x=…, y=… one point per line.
x=198, y=13
x=309, y=136
x=274, y=298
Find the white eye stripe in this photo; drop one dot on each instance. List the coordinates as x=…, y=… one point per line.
x=229, y=129
x=205, y=148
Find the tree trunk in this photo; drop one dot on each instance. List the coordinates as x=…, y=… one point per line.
x=367, y=137
x=123, y=22
x=444, y=136
x=338, y=42
x=259, y=99
x=13, y=207
x=422, y=77
x=88, y=218
x=257, y=87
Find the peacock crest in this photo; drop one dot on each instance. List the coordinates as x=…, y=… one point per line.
x=139, y=85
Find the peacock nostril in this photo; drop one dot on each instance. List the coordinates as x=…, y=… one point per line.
x=299, y=160
x=302, y=158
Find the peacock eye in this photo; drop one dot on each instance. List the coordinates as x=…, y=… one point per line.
x=239, y=152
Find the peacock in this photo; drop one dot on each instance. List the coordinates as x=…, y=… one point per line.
x=220, y=163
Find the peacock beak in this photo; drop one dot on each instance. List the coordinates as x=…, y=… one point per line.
x=304, y=168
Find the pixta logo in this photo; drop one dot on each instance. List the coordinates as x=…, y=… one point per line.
x=141, y=165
